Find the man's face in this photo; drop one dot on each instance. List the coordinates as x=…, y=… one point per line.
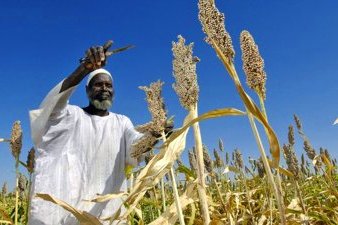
x=100, y=91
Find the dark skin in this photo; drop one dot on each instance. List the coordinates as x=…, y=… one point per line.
x=96, y=59
x=100, y=88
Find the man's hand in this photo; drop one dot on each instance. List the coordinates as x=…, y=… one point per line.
x=96, y=56
x=169, y=126
x=168, y=129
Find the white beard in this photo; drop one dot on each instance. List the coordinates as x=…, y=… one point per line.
x=101, y=105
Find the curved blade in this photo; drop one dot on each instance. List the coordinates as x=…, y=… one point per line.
x=109, y=53
x=112, y=52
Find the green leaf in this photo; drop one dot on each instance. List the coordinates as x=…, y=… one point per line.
x=186, y=171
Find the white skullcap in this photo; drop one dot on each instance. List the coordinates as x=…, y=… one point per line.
x=98, y=71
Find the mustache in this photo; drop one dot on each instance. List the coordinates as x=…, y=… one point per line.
x=104, y=92
x=103, y=95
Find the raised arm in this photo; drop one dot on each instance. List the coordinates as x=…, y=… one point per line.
x=95, y=58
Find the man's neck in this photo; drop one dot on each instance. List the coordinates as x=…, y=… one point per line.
x=90, y=109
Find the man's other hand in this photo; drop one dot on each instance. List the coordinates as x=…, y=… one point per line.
x=169, y=126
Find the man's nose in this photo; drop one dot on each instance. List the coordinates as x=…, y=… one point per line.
x=105, y=87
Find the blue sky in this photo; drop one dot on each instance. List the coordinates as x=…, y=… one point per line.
x=42, y=41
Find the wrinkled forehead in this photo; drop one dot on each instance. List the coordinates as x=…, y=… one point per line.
x=100, y=77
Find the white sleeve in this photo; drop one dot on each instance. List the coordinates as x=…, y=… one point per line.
x=131, y=135
x=51, y=106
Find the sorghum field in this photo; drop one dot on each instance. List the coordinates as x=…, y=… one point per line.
x=216, y=186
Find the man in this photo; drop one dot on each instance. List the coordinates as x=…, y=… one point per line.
x=81, y=152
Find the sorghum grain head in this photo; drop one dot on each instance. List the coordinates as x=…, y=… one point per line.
x=291, y=135
x=156, y=107
x=184, y=71
x=220, y=145
x=16, y=139
x=213, y=26
x=238, y=159
x=143, y=145
x=4, y=189
x=144, y=128
x=227, y=158
x=247, y=170
x=22, y=184
x=31, y=160
x=253, y=64
x=297, y=121
x=218, y=161
x=207, y=160
x=260, y=167
x=192, y=160
x=148, y=157
x=327, y=154
x=310, y=152
x=291, y=160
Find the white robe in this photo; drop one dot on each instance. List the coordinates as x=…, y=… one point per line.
x=78, y=155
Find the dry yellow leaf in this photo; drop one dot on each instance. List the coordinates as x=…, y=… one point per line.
x=170, y=216
x=83, y=217
x=104, y=198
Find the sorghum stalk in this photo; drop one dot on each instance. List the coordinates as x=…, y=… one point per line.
x=176, y=196
x=268, y=169
x=156, y=198
x=279, y=182
x=299, y=193
x=200, y=172
x=131, y=181
x=261, y=102
x=231, y=69
x=253, y=66
x=213, y=177
x=192, y=215
x=157, y=110
x=16, y=144
x=239, y=163
x=217, y=36
x=270, y=204
x=292, y=163
x=16, y=195
x=163, y=195
x=244, y=180
x=4, y=192
x=30, y=168
x=28, y=196
x=311, y=153
x=186, y=87
x=209, y=166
